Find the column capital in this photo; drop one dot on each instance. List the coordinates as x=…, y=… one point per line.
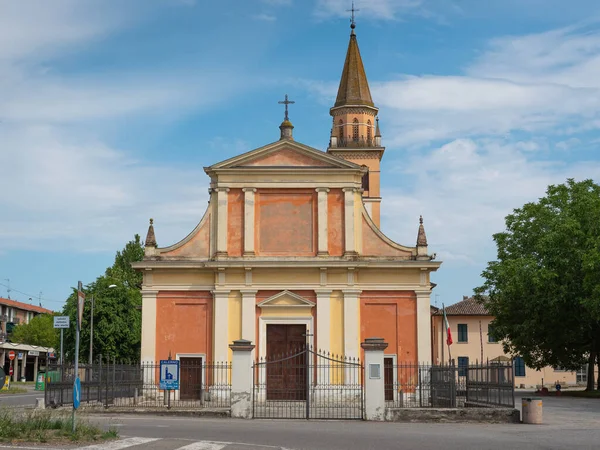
x=149, y=293
x=374, y=343
x=221, y=189
x=322, y=189
x=242, y=345
x=323, y=291
x=249, y=190
x=349, y=189
x=423, y=293
x=248, y=291
x=351, y=292
x=221, y=293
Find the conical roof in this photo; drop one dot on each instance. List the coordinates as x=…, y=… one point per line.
x=421, y=237
x=354, y=88
x=150, y=238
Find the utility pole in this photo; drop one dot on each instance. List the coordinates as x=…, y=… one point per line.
x=91, y=332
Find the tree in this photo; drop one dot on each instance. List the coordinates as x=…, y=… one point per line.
x=39, y=331
x=117, y=310
x=544, y=288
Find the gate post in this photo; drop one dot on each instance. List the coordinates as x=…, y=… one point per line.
x=374, y=378
x=241, y=379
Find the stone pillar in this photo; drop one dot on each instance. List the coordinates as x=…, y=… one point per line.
x=222, y=205
x=221, y=322
x=323, y=319
x=322, y=221
x=241, y=379
x=23, y=364
x=374, y=378
x=423, y=327
x=350, y=247
x=148, y=352
x=249, y=221
x=249, y=314
x=35, y=368
x=351, y=322
x=16, y=368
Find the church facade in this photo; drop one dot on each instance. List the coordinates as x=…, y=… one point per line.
x=290, y=252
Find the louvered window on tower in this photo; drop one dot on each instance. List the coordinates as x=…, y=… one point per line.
x=355, y=130
x=365, y=181
x=369, y=132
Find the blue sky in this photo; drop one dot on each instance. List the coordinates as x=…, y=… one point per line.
x=109, y=110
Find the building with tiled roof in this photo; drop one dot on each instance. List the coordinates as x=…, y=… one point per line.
x=472, y=340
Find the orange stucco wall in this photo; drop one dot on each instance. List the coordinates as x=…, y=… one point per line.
x=391, y=315
x=184, y=323
x=287, y=157
x=285, y=222
x=198, y=245
x=335, y=222
x=373, y=245
x=235, y=222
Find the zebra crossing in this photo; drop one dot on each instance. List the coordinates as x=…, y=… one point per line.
x=134, y=443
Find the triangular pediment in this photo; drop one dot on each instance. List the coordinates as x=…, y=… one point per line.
x=285, y=153
x=286, y=299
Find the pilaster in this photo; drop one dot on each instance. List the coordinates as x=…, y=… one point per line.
x=351, y=322
x=423, y=327
x=248, y=314
x=323, y=319
x=222, y=204
x=322, y=206
x=148, y=351
x=221, y=321
x=249, y=223
x=349, y=219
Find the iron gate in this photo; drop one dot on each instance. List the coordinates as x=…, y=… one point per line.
x=308, y=384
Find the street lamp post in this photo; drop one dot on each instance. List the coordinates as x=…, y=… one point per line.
x=92, y=326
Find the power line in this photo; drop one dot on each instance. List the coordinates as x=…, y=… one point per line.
x=30, y=295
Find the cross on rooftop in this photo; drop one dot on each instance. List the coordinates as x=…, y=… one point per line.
x=353, y=10
x=286, y=102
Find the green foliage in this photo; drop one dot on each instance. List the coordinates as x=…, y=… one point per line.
x=544, y=288
x=47, y=426
x=117, y=310
x=39, y=331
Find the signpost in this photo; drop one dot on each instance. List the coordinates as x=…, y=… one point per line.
x=61, y=322
x=77, y=384
x=169, y=377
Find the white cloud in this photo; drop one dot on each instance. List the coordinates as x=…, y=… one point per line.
x=265, y=17
x=465, y=188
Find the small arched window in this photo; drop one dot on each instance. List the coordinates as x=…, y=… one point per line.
x=355, y=130
x=369, y=132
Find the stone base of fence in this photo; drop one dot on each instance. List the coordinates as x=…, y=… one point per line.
x=482, y=415
x=195, y=412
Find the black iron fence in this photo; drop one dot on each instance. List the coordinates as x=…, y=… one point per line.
x=126, y=385
x=414, y=385
x=308, y=384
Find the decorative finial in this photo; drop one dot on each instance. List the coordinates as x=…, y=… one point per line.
x=352, y=21
x=421, y=237
x=286, y=126
x=150, y=237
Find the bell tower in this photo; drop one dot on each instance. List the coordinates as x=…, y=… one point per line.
x=355, y=134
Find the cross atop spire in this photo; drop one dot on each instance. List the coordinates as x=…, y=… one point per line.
x=286, y=102
x=352, y=22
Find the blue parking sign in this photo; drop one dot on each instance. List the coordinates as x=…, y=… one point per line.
x=169, y=374
x=76, y=393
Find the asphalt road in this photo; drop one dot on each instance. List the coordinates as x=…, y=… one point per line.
x=568, y=423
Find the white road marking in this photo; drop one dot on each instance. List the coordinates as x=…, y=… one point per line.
x=203, y=445
x=117, y=445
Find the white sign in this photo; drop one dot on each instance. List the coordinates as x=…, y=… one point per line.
x=33, y=353
x=61, y=321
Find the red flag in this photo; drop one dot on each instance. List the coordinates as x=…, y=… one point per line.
x=448, y=331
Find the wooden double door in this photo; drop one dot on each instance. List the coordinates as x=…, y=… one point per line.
x=287, y=362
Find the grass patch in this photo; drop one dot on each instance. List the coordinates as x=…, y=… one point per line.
x=582, y=394
x=48, y=426
x=14, y=390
